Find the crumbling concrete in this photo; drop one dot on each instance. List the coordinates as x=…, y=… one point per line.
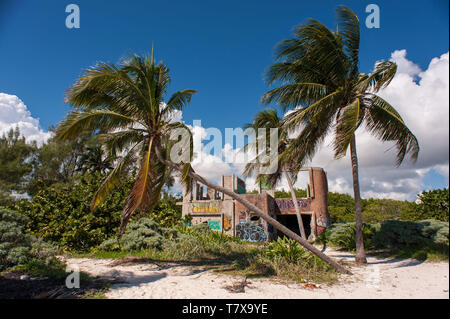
x=228, y=216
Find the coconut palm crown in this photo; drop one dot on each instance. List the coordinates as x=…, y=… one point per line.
x=126, y=107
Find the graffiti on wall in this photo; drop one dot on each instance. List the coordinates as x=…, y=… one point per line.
x=214, y=225
x=251, y=230
x=205, y=207
x=240, y=184
x=213, y=221
x=288, y=204
x=226, y=224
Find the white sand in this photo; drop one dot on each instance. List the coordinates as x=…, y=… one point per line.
x=380, y=278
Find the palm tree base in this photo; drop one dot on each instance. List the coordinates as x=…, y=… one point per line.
x=361, y=259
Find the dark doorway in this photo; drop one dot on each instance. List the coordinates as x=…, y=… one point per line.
x=290, y=221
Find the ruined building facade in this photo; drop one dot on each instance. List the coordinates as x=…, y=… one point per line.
x=224, y=214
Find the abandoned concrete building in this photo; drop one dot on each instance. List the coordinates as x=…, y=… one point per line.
x=224, y=214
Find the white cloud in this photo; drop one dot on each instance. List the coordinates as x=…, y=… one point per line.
x=404, y=66
x=14, y=113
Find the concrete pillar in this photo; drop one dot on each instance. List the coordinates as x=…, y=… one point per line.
x=211, y=193
x=319, y=193
x=187, y=193
x=228, y=183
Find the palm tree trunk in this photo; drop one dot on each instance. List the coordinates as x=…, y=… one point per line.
x=297, y=209
x=360, y=253
x=257, y=211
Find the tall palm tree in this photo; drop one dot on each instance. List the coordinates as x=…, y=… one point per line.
x=268, y=119
x=320, y=82
x=124, y=104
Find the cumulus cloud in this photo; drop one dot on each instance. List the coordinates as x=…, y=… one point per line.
x=14, y=113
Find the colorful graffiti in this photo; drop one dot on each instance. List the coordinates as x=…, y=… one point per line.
x=251, y=230
x=214, y=225
x=205, y=207
x=226, y=224
x=288, y=204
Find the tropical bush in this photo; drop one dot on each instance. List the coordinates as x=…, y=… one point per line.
x=283, y=258
x=413, y=239
x=394, y=233
x=432, y=204
x=166, y=212
x=142, y=234
x=343, y=235
x=61, y=213
x=288, y=249
x=18, y=247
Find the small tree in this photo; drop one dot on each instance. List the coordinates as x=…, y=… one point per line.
x=433, y=204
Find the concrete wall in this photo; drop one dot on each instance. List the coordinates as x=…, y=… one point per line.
x=224, y=214
x=248, y=225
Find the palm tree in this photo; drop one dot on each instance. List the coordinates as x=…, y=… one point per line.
x=268, y=119
x=93, y=160
x=125, y=105
x=319, y=70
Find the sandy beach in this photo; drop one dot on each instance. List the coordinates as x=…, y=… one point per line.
x=380, y=278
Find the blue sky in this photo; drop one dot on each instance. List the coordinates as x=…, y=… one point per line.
x=220, y=48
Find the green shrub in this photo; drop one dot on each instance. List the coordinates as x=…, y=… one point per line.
x=427, y=239
x=61, y=214
x=141, y=234
x=285, y=257
x=393, y=233
x=18, y=247
x=286, y=248
x=167, y=213
x=15, y=244
x=204, y=233
x=433, y=204
x=343, y=235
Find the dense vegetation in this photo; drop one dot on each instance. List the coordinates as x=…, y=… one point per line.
x=426, y=239
x=200, y=245
x=431, y=204
x=63, y=177
x=18, y=247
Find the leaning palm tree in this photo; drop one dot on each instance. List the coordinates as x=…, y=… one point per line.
x=320, y=82
x=268, y=119
x=125, y=105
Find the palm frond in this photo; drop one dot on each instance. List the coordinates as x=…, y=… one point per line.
x=92, y=120
x=114, y=178
x=349, y=30
x=292, y=95
x=146, y=191
x=383, y=121
x=180, y=99
x=346, y=125
x=380, y=78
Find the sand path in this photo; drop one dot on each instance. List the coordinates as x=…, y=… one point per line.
x=380, y=278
